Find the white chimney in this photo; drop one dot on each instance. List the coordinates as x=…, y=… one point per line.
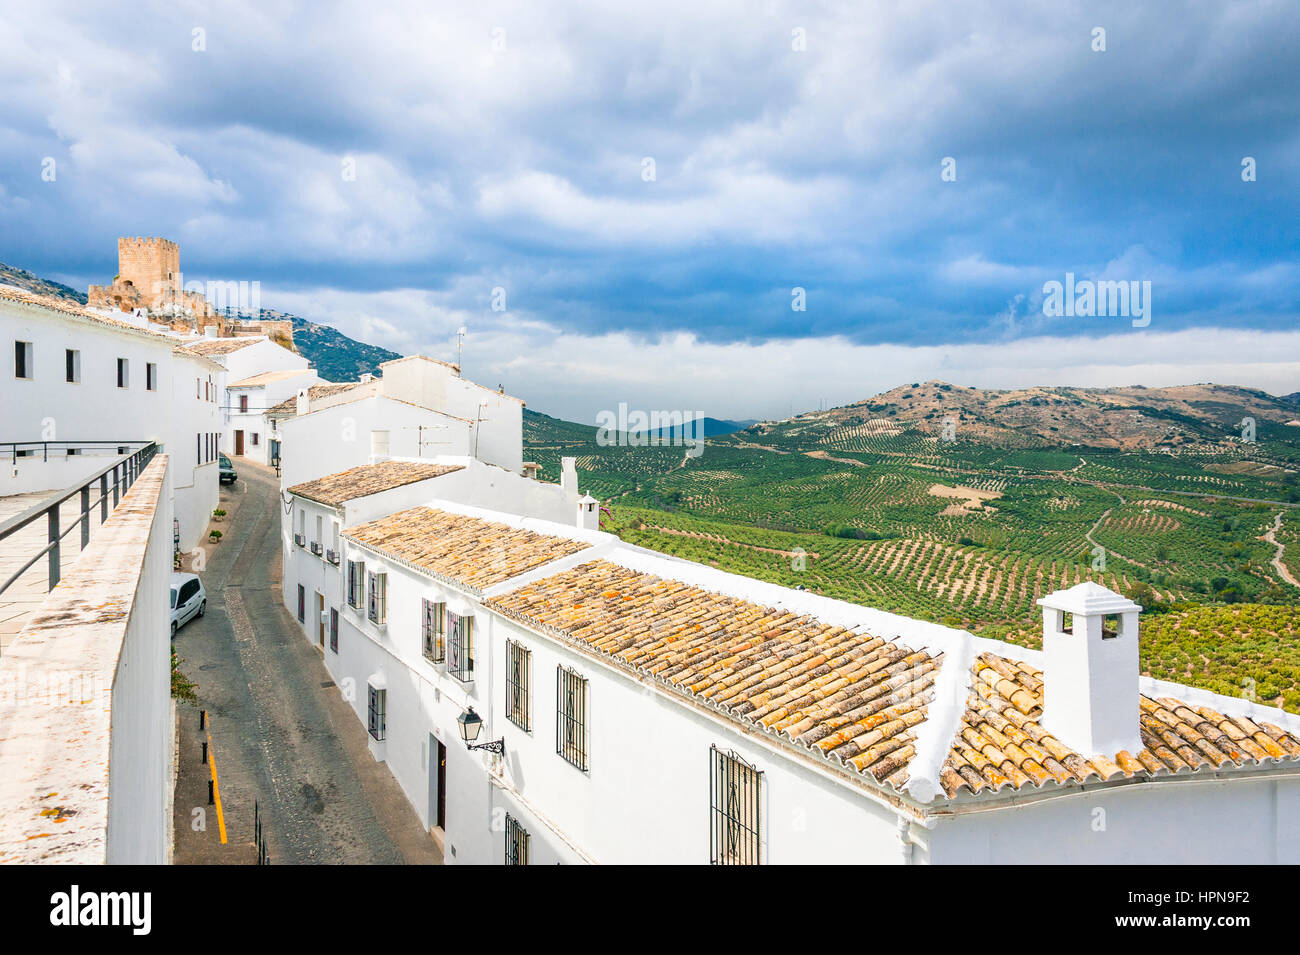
x=366, y=378
x=304, y=401
x=378, y=446
x=1090, y=674
x=588, y=513
x=210, y=331
x=569, y=475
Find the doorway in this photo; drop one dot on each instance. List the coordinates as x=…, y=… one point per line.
x=239, y=443
x=320, y=619
x=437, y=786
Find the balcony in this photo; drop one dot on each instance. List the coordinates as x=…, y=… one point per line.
x=316, y=548
x=300, y=540
x=332, y=556
x=84, y=697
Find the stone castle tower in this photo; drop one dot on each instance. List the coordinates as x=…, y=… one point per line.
x=149, y=277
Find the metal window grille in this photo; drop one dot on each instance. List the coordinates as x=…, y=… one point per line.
x=435, y=631
x=571, y=716
x=377, y=608
x=519, y=678
x=302, y=604
x=334, y=629
x=460, y=646
x=516, y=842
x=376, y=717
x=356, y=583
x=735, y=823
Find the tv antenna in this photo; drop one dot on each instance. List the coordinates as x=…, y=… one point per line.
x=460, y=343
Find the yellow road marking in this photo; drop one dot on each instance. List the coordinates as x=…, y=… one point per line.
x=216, y=791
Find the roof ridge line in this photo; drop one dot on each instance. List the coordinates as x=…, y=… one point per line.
x=951, y=687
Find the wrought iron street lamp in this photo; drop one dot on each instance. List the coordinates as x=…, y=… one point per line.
x=470, y=723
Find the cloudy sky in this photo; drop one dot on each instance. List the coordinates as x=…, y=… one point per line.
x=649, y=183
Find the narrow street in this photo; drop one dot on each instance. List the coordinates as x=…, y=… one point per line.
x=280, y=733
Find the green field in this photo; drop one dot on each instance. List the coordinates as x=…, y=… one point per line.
x=971, y=536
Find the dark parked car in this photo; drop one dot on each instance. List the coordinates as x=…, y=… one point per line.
x=226, y=471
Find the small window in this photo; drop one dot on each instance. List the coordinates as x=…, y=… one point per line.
x=377, y=607
x=1064, y=621
x=72, y=365
x=516, y=842
x=302, y=604
x=253, y=436
x=735, y=790
x=356, y=583
x=571, y=716
x=151, y=376
x=460, y=646
x=519, y=671
x=23, y=360
x=123, y=373
x=334, y=629
x=434, y=629
x=243, y=404
x=1112, y=625
x=376, y=720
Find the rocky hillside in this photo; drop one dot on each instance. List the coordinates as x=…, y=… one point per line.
x=21, y=278
x=1129, y=418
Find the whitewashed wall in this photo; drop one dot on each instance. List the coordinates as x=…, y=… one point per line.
x=1201, y=822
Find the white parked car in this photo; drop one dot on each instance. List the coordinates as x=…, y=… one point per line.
x=189, y=600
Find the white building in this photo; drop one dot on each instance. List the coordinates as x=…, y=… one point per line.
x=76, y=376
x=251, y=399
x=653, y=710
x=423, y=406
x=260, y=373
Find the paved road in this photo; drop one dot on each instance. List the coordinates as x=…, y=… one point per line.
x=280, y=733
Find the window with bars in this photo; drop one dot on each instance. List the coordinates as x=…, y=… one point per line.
x=434, y=627
x=376, y=717
x=302, y=604
x=516, y=842
x=571, y=716
x=735, y=822
x=519, y=680
x=460, y=646
x=356, y=583
x=334, y=629
x=377, y=606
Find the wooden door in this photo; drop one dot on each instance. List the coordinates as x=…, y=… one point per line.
x=239, y=442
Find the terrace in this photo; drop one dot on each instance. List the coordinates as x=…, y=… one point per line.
x=85, y=733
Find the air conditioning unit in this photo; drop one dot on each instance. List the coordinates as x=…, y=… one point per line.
x=300, y=540
x=332, y=556
x=316, y=548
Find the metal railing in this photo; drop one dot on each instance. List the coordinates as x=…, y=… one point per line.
x=113, y=482
x=18, y=450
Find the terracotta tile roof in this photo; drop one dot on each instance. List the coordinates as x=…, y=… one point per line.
x=267, y=377
x=335, y=489
x=852, y=696
x=467, y=550
x=289, y=407
x=222, y=346
x=55, y=304
x=1000, y=742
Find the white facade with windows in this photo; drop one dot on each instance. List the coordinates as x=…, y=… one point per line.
x=245, y=430
x=72, y=375
x=605, y=763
